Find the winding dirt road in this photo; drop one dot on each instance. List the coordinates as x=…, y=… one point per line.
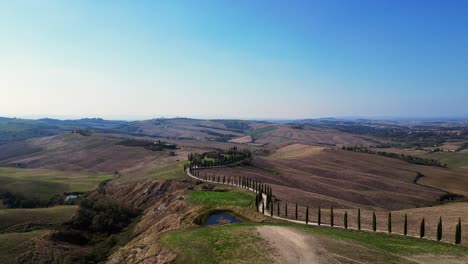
x=290, y=246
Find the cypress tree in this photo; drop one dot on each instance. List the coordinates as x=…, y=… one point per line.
x=458, y=232
x=319, y=216
x=422, y=229
x=278, y=210
x=256, y=202
x=307, y=215
x=439, y=229
x=271, y=208
x=374, y=222
x=359, y=219
x=331, y=216
x=296, y=211
x=390, y=222
x=345, y=220
x=405, y=226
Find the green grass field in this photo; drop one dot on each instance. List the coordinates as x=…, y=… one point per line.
x=39, y=216
x=395, y=244
x=13, y=245
x=170, y=172
x=452, y=159
x=221, y=244
x=261, y=130
x=238, y=242
x=43, y=184
x=226, y=198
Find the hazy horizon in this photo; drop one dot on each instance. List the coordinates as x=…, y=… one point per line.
x=242, y=60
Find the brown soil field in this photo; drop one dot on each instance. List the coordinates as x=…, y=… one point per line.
x=181, y=128
x=313, y=136
x=73, y=152
x=242, y=140
x=348, y=179
x=296, y=150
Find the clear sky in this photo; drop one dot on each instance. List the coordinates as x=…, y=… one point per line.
x=234, y=59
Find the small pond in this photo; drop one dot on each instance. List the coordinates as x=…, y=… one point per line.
x=71, y=197
x=221, y=218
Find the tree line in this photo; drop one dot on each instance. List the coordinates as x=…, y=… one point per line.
x=407, y=158
x=273, y=204
x=231, y=157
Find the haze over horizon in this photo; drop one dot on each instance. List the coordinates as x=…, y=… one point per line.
x=243, y=59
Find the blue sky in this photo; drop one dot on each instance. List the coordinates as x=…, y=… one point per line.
x=235, y=59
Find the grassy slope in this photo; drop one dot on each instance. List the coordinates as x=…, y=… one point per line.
x=170, y=172
x=395, y=244
x=261, y=130
x=223, y=244
x=14, y=244
x=46, y=183
x=40, y=216
x=231, y=198
x=452, y=159
x=238, y=242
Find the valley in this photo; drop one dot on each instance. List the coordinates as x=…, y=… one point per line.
x=134, y=174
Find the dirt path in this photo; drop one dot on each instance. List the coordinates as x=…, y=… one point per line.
x=291, y=246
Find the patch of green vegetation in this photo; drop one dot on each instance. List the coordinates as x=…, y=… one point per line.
x=261, y=130
x=43, y=184
x=38, y=217
x=226, y=198
x=452, y=159
x=395, y=244
x=234, y=243
x=13, y=245
x=169, y=172
x=101, y=226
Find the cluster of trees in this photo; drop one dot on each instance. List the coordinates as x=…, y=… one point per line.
x=16, y=200
x=154, y=146
x=208, y=160
x=407, y=158
x=95, y=225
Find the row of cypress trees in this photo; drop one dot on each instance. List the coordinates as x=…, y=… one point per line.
x=422, y=226
x=264, y=189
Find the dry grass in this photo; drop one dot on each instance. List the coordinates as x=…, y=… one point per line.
x=285, y=134
x=342, y=179
x=296, y=151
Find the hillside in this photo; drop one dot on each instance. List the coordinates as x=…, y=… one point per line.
x=344, y=179
x=74, y=152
